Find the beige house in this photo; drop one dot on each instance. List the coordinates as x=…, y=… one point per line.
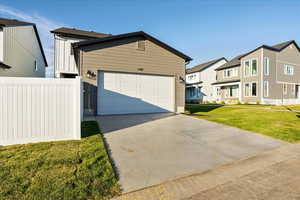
x=266, y=75
x=127, y=73
x=21, y=51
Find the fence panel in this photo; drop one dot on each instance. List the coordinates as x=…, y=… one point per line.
x=39, y=109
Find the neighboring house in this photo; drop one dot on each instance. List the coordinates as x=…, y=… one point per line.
x=128, y=73
x=267, y=75
x=21, y=51
x=199, y=81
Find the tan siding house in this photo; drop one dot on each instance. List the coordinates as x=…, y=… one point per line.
x=131, y=73
x=268, y=75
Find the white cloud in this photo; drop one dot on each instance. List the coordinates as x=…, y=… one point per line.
x=44, y=26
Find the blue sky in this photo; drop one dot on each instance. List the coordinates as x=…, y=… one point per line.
x=204, y=30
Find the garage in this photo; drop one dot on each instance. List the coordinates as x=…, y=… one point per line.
x=129, y=93
x=131, y=73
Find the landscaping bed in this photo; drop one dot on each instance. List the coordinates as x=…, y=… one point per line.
x=284, y=125
x=59, y=170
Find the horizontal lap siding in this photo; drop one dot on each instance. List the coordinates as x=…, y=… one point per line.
x=123, y=56
x=35, y=110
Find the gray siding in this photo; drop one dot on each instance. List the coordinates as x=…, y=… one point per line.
x=220, y=75
x=258, y=56
x=21, y=50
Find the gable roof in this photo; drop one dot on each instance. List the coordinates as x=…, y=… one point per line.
x=129, y=35
x=4, y=22
x=232, y=63
x=203, y=66
x=278, y=47
x=76, y=32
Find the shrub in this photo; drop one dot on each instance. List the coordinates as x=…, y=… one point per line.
x=222, y=102
x=239, y=103
x=257, y=102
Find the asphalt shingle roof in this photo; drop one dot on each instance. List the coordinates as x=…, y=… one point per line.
x=203, y=66
x=73, y=31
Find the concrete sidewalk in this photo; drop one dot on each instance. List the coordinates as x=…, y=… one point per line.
x=270, y=175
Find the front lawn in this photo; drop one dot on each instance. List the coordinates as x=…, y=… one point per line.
x=58, y=170
x=277, y=124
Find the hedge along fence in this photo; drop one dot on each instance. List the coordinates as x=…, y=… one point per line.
x=39, y=109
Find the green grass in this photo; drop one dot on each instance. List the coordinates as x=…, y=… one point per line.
x=277, y=124
x=58, y=170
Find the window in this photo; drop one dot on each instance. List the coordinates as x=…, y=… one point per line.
x=218, y=91
x=192, y=77
x=253, y=90
x=284, y=88
x=293, y=89
x=254, y=68
x=35, y=66
x=250, y=67
x=250, y=89
x=266, y=66
x=247, y=89
x=141, y=45
x=228, y=73
x=288, y=70
x=232, y=91
x=71, y=50
x=247, y=68
x=266, y=88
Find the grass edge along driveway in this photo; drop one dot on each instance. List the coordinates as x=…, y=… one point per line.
x=283, y=125
x=75, y=169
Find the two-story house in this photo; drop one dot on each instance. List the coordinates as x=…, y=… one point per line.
x=122, y=74
x=64, y=60
x=199, y=81
x=266, y=75
x=21, y=51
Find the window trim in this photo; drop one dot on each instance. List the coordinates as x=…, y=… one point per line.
x=266, y=66
x=250, y=88
x=285, y=88
x=293, y=90
x=245, y=89
x=285, y=70
x=250, y=67
x=266, y=88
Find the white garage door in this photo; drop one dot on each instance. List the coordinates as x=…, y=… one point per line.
x=123, y=93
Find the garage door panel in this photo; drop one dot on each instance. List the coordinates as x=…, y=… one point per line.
x=123, y=93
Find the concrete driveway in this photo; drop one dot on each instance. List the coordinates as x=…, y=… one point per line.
x=153, y=148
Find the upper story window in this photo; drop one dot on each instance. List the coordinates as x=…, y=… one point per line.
x=288, y=70
x=36, y=66
x=71, y=50
x=250, y=67
x=228, y=73
x=191, y=77
x=266, y=66
x=141, y=45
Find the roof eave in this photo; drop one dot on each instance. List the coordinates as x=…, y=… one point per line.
x=133, y=34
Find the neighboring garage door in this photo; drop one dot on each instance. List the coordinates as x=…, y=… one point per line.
x=124, y=93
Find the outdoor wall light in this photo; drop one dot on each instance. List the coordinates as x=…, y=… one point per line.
x=90, y=74
x=181, y=80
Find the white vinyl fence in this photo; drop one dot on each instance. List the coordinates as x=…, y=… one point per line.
x=39, y=109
